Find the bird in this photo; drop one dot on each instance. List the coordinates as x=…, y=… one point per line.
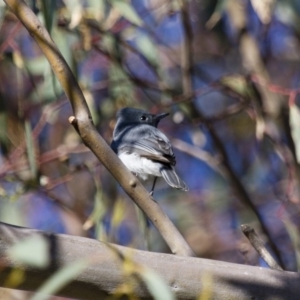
x=144, y=149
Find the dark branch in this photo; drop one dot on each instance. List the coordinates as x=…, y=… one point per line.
x=259, y=247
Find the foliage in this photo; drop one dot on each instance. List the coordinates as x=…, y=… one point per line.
x=236, y=135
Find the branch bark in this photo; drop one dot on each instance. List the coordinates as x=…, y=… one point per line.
x=259, y=246
x=187, y=277
x=92, y=139
x=186, y=50
x=239, y=187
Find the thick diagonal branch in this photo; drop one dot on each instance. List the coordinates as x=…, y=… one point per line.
x=90, y=136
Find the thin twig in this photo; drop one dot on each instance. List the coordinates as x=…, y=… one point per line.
x=198, y=153
x=258, y=245
x=236, y=183
x=186, y=50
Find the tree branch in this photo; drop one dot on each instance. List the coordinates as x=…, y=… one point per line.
x=90, y=135
x=186, y=50
x=259, y=246
x=186, y=276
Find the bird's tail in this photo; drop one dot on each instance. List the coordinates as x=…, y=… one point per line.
x=173, y=179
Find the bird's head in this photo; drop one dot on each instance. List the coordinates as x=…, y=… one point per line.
x=129, y=115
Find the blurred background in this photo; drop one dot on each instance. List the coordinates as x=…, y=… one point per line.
x=227, y=71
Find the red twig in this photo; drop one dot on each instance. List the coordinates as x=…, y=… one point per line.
x=292, y=93
x=7, y=42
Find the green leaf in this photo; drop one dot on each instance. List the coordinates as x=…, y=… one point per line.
x=143, y=226
x=97, y=9
x=148, y=49
x=295, y=128
x=3, y=128
x=33, y=251
x=30, y=149
x=49, y=13
x=60, y=279
x=127, y=11
x=3, y=9
x=217, y=14
x=237, y=83
x=49, y=88
x=118, y=213
x=156, y=285
x=36, y=66
x=98, y=213
x=75, y=10
x=109, y=43
x=293, y=232
x=97, y=4
x=207, y=287
x=120, y=86
x=288, y=13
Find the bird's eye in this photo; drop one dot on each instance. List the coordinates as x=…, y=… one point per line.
x=143, y=118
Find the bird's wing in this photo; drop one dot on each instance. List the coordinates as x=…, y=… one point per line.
x=155, y=146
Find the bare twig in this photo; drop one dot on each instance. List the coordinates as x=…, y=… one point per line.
x=10, y=164
x=259, y=247
x=240, y=189
x=186, y=50
x=235, y=181
x=196, y=152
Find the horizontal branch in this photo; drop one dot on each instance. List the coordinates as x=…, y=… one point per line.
x=188, y=277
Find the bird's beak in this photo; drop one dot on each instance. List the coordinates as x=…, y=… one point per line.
x=158, y=117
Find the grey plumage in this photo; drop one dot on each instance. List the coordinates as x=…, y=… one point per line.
x=144, y=149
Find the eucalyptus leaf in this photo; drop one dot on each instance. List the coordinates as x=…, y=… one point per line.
x=121, y=87
x=97, y=8
x=127, y=11
x=75, y=9
x=156, y=285
x=118, y=213
x=49, y=13
x=293, y=232
x=60, y=279
x=237, y=83
x=109, y=43
x=217, y=14
x=33, y=251
x=3, y=128
x=50, y=87
x=295, y=128
x=30, y=149
x=148, y=49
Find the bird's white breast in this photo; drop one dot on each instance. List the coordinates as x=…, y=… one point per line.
x=141, y=166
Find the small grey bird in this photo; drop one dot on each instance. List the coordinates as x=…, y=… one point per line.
x=144, y=149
